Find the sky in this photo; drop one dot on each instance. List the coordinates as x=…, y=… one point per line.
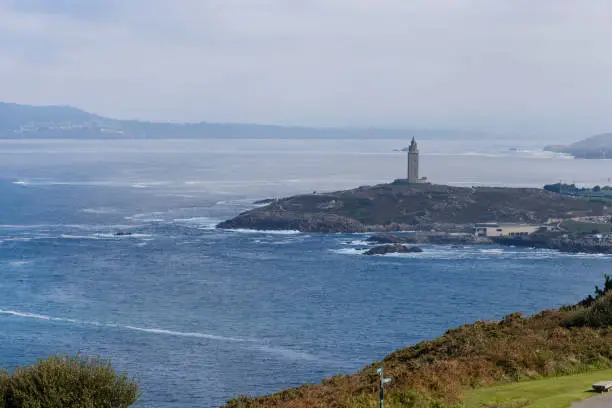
x=518, y=67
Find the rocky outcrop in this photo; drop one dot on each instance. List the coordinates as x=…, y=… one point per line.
x=400, y=206
x=279, y=220
x=392, y=248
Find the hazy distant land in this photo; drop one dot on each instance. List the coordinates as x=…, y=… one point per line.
x=65, y=122
x=594, y=147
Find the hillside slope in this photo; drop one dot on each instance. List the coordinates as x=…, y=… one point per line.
x=437, y=373
x=403, y=206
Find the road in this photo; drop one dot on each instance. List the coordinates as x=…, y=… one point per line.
x=601, y=401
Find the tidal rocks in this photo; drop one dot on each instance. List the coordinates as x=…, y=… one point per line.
x=392, y=248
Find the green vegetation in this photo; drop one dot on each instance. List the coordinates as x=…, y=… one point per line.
x=442, y=372
x=67, y=383
x=578, y=227
x=555, y=392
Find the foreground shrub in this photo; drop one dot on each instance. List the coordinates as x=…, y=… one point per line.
x=67, y=383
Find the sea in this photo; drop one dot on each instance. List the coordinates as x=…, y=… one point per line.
x=109, y=249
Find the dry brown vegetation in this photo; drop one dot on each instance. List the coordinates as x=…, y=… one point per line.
x=436, y=373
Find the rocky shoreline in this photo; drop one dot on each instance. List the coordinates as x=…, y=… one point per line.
x=543, y=240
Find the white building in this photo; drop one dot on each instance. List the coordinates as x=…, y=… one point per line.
x=504, y=230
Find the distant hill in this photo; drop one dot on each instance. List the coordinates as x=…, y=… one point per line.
x=27, y=122
x=594, y=147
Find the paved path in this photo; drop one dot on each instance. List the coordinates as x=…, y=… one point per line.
x=600, y=401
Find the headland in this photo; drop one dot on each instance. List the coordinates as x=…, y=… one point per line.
x=405, y=206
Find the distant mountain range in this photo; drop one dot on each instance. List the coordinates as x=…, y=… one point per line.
x=65, y=122
x=594, y=147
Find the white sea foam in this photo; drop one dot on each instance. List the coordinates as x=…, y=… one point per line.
x=19, y=263
x=206, y=223
x=100, y=210
x=359, y=242
x=69, y=236
x=125, y=235
x=349, y=251
x=492, y=251
x=270, y=232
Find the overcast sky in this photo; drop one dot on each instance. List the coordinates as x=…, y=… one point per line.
x=524, y=66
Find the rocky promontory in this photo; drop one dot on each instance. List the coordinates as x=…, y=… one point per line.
x=401, y=206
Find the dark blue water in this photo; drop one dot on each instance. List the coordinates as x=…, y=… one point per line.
x=201, y=315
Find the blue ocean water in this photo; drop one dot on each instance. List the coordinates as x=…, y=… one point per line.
x=201, y=315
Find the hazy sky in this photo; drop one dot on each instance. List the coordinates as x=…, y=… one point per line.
x=530, y=66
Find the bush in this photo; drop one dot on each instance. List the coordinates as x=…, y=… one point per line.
x=65, y=382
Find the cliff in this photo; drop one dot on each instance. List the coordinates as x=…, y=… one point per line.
x=402, y=206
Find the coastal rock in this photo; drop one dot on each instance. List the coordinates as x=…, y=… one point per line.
x=392, y=248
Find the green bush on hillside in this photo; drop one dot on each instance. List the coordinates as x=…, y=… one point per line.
x=67, y=382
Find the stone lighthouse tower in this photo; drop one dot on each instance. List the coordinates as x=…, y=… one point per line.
x=413, y=162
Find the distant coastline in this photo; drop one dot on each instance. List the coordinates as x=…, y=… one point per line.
x=65, y=122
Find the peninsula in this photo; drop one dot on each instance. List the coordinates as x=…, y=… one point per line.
x=407, y=206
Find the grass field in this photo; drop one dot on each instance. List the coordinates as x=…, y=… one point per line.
x=586, y=227
x=556, y=392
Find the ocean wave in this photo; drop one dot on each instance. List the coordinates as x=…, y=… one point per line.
x=349, y=251
x=126, y=327
x=444, y=252
x=359, y=242
x=19, y=263
x=206, y=223
x=269, y=232
x=125, y=235
x=251, y=343
x=100, y=210
x=69, y=236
